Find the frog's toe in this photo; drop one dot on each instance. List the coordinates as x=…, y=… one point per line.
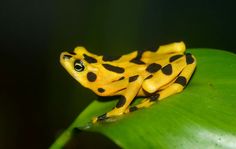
x=100, y=118
x=94, y=120
x=131, y=109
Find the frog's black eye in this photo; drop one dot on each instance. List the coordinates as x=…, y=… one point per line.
x=78, y=65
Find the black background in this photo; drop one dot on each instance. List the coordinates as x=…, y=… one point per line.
x=39, y=99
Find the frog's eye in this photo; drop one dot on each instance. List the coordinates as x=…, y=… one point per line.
x=78, y=65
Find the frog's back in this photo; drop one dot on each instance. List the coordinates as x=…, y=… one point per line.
x=162, y=55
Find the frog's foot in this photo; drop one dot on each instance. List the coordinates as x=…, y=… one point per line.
x=146, y=102
x=100, y=118
x=113, y=113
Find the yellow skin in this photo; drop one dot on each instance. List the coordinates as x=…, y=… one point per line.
x=151, y=74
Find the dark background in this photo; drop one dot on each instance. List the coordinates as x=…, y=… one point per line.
x=39, y=99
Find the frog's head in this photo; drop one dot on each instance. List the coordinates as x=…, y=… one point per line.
x=81, y=65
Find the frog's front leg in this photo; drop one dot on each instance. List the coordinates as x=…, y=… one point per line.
x=146, y=102
x=124, y=101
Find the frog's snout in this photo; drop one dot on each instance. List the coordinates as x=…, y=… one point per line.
x=65, y=56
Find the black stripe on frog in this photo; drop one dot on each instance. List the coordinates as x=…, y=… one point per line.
x=89, y=59
x=112, y=68
x=137, y=59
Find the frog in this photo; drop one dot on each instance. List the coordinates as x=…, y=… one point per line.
x=152, y=74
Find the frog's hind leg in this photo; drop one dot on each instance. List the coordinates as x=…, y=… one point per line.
x=177, y=86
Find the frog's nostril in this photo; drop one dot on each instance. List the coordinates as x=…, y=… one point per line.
x=66, y=56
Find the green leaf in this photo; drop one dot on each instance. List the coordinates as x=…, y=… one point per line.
x=202, y=116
